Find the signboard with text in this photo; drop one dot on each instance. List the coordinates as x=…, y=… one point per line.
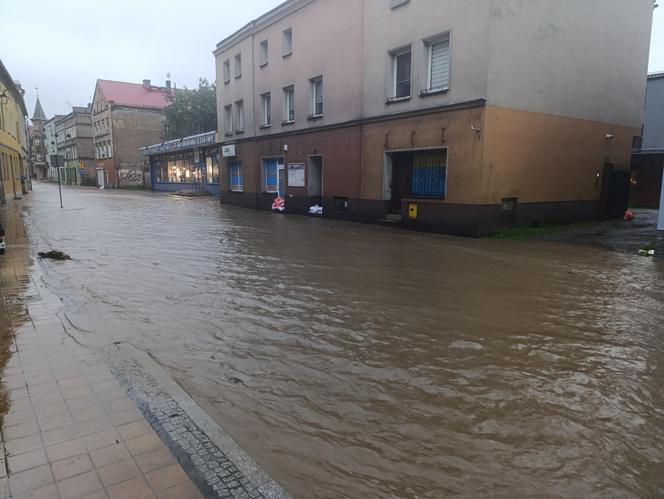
x=296, y=174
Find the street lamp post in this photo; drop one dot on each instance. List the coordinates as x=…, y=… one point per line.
x=57, y=165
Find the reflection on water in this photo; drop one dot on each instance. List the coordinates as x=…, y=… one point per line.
x=361, y=361
x=14, y=280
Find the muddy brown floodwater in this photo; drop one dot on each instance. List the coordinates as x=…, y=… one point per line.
x=360, y=361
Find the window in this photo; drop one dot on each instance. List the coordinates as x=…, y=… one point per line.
x=271, y=174
x=237, y=178
x=227, y=71
x=228, y=119
x=238, y=65
x=438, y=55
x=212, y=166
x=266, y=107
x=317, y=96
x=288, y=42
x=263, y=53
x=239, y=116
x=429, y=174
x=401, y=69
x=289, y=104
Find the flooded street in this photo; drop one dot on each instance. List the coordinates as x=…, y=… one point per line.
x=359, y=361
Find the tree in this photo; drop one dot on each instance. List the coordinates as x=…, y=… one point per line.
x=191, y=112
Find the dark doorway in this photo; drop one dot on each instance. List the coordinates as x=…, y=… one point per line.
x=402, y=172
x=615, y=192
x=315, y=179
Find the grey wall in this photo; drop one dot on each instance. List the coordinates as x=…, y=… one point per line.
x=653, y=130
x=583, y=59
x=327, y=42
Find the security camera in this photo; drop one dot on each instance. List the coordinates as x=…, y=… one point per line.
x=610, y=136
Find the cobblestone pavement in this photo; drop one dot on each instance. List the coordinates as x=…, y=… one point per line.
x=70, y=428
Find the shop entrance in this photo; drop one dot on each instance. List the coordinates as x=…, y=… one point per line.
x=401, y=178
x=416, y=174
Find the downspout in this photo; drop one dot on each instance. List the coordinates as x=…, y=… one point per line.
x=362, y=48
x=257, y=181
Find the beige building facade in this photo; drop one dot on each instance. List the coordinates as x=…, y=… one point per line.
x=14, y=155
x=458, y=116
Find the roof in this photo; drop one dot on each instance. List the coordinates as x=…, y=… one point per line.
x=202, y=139
x=655, y=76
x=6, y=78
x=39, y=112
x=133, y=94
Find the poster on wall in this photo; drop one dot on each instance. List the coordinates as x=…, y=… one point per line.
x=296, y=174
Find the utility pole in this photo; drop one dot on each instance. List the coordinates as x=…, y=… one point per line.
x=57, y=165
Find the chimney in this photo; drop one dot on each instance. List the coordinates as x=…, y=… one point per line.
x=146, y=84
x=168, y=86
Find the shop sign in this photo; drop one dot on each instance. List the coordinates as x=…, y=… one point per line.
x=296, y=174
x=184, y=143
x=228, y=151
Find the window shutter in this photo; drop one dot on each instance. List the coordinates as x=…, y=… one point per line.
x=440, y=64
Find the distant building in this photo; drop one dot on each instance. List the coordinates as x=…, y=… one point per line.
x=38, y=144
x=73, y=137
x=447, y=115
x=648, y=158
x=51, y=146
x=14, y=155
x=126, y=117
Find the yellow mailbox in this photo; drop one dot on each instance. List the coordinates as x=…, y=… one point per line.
x=412, y=211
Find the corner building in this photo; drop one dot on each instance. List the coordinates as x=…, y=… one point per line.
x=457, y=116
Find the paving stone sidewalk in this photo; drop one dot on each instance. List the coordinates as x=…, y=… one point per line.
x=68, y=428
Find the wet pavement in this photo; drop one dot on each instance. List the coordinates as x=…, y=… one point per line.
x=616, y=235
x=360, y=361
x=68, y=429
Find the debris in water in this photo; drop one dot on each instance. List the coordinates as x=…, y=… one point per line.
x=54, y=255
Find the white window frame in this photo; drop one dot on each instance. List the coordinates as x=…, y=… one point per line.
x=429, y=43
x=239, y=114
x=228, y=119
x=227, y=71
x=288, y=100
x=395, y=54
x=238, y=65
x=266, y=110
x=287, y=42
x=264, y=53
x=236, y=187
x=312, y=83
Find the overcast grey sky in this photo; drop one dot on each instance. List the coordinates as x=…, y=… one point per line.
x=63, y=46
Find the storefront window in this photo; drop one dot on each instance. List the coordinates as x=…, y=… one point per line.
x=212, y=165
x=180, y=168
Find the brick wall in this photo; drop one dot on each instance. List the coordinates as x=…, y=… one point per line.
x=132, y=129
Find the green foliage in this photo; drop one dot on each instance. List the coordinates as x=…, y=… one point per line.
x=191, y=111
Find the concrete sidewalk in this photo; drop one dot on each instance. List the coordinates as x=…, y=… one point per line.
x=68, y=428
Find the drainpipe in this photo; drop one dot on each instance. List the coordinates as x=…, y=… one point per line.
x=659, y=244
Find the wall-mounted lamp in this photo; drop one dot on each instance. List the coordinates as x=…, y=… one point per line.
x=610, y=136
x=476, y=129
